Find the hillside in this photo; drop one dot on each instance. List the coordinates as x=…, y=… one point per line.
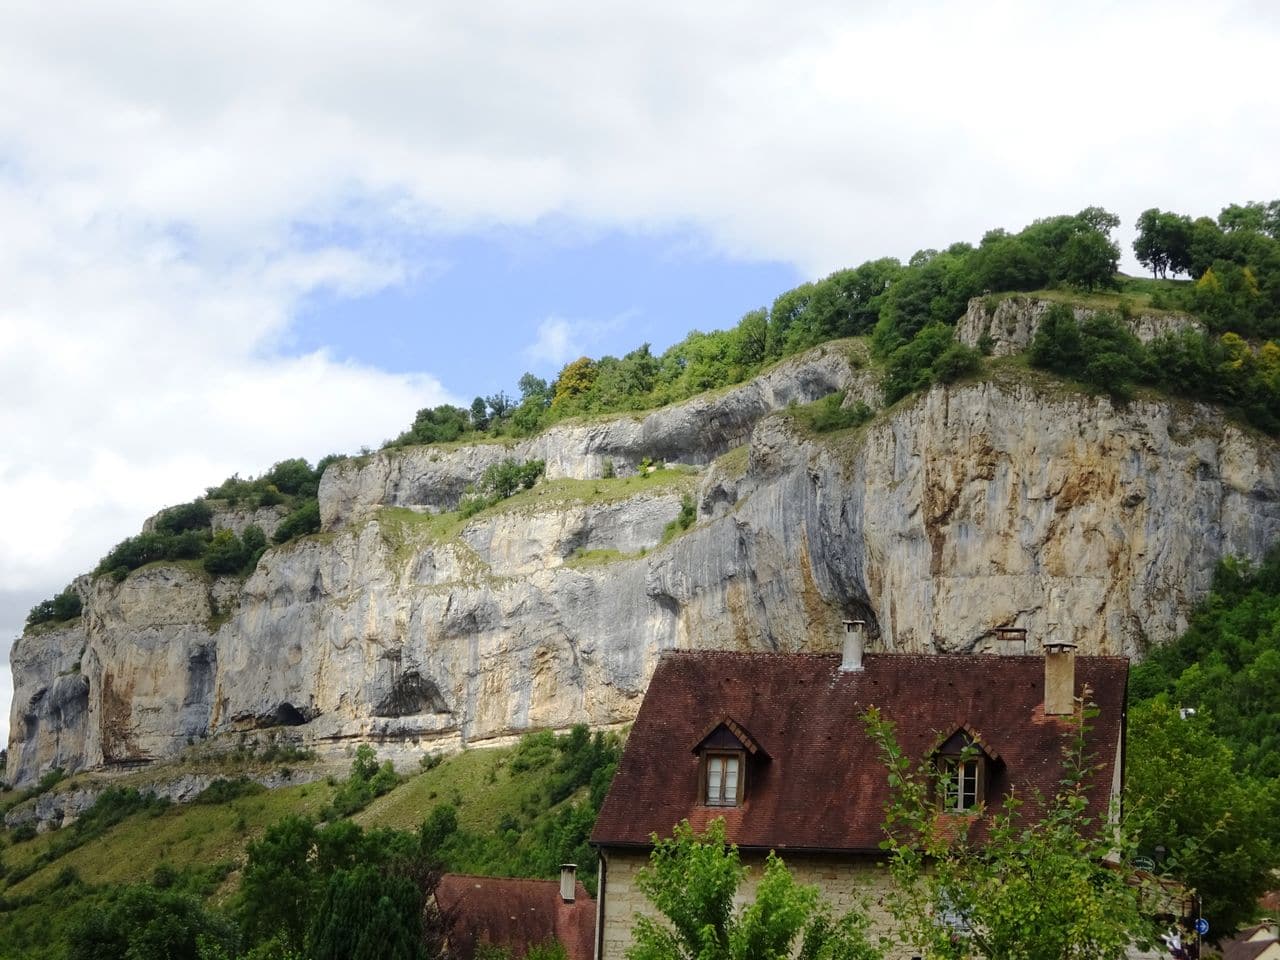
x=417, y=619
x=894, y=442
x=517, y=810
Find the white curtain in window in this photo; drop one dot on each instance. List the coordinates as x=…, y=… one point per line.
x=715, y=775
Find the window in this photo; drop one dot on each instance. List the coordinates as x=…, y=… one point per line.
x=961, y=780
x=724, y=779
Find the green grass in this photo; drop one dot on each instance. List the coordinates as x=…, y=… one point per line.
x=406, y=531
x=581, y=559
x=477, y=782
x=734, y=463
x=1135, y=293
x=182, y=836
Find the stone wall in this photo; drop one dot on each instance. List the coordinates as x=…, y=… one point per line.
x=847, y=883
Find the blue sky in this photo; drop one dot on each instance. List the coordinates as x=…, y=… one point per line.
x=472, y=307
x=238, y=232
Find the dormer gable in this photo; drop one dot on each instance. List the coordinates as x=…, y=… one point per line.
x=725, y=751
x=966, y=767
x=727, y=734
x=964, y=739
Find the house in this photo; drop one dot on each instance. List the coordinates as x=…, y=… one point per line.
x=775, y=745
x=1260, y=942
x=518, y=914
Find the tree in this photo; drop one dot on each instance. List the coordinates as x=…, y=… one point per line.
x=1037, y=885
x=64, y=606
x=693, y=879
x=294, y=477
x=1214, y=821
x=1090, y=260
x=1163, y=242
x=368, y=913
x=279, y=883
x=143, y=923
x=534, y=390
x=499, y=404
x=752, y=338
x=339, y=891
x=479, y=413
x=577, y=378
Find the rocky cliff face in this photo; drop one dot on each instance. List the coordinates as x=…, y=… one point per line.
x=1009, y=325
x=1004, y=502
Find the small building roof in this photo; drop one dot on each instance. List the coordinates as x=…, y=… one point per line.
x=821, y=783
x=1253, y=943
x=517, y=914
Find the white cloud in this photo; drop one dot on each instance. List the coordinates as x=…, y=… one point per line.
x=560, y=340
x=158, y=161
x=555, y=344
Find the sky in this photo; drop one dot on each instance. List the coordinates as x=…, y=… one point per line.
x=235, y=233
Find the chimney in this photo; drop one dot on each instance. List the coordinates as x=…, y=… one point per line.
x=1010, y=640
x=855, y=632
x=1059, y=679
x=568, y=879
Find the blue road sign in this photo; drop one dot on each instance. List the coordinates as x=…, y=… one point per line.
x=1202, y=926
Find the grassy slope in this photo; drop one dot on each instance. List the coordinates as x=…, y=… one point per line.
x=479, y=783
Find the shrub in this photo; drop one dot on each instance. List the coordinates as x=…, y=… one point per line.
x=501, y=480
x=910, y=366
x=830, y=413
x=684, y=519
x=225, y=554
x=65, y=606
x=224, y=791
x=189, y=516
x=955, y=362
x=304, y=520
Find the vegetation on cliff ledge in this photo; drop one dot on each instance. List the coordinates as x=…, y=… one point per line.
x=910, y=311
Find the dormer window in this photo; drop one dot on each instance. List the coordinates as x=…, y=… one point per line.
x=724, y=752
x=724, y=779
x=964, y=767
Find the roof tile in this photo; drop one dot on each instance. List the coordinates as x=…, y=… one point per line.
x=821, y=784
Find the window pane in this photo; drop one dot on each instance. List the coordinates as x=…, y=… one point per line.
x=715, y=770
x=731, y=780
x=969, y=788
x=950, y=790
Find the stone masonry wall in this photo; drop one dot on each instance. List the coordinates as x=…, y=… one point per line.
x=847, y=883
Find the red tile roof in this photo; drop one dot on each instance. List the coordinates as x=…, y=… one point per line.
x=516, y=914
x=823, y=786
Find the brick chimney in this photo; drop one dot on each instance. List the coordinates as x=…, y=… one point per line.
x=568, y=881
x=1059, y=679
x=855, y=638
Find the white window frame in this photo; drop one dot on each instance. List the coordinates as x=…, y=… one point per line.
x=953, y=774
x=724, y=758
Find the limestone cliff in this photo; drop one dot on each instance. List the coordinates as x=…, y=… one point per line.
x=1009, y=501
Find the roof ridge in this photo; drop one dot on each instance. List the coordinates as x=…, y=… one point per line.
x=482, y=876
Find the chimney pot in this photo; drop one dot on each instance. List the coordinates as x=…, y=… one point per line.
x=568, y=881
x=1059, y=678
x=855, y=632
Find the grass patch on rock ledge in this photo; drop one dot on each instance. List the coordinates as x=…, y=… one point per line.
x=404, y=529
x=581, y=559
